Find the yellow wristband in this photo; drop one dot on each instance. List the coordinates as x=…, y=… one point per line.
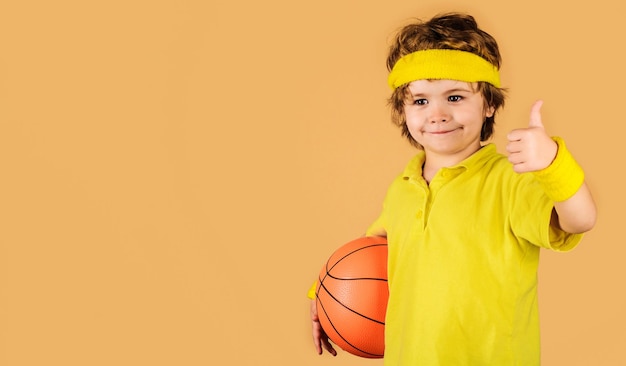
x=311, y=293
x=561, y=179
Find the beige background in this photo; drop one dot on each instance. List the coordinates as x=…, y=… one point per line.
x=174, y=173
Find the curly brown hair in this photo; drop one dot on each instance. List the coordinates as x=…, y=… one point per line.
x=455, y=31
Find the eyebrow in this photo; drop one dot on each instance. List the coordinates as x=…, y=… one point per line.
x=449, y=91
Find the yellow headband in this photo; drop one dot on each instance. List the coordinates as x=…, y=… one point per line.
x=443, y=64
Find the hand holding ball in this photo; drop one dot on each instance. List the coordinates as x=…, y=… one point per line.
x=352, y=295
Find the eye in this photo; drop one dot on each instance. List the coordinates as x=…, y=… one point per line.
x=455, y=98
x=420, y=102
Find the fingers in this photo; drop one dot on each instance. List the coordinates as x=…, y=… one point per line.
x=328, y=346
x=518, y=160
x=317, y=334
x=514, y=146
x=320, y=339
x=314, y=316
x=520, y=166
x=519, y=156
x=317, y=337
x=535, y=115
x=517, y=150
x=530, y=148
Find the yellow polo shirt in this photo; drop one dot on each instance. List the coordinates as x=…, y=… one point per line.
x=463, y=258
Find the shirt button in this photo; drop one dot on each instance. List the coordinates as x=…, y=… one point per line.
x=419, y=214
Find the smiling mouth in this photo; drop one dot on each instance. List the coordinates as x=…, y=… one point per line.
x=440, y=132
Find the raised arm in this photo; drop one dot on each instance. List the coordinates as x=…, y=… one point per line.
x=532, y=150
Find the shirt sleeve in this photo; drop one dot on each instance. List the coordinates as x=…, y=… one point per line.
x=531, y=214
x=311, y=293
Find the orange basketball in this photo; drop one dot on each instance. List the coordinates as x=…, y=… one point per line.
x=352, y=296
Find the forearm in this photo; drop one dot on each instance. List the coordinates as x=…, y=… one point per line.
x=564, y=182
x=576, y=214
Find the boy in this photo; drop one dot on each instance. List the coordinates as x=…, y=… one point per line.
x=464, y=224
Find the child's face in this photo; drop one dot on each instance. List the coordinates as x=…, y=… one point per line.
x=446, y=117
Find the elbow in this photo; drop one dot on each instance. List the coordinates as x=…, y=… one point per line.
x=582, y=225
x=590, y=219
x=590, y=223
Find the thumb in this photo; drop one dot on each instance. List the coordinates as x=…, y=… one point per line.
x=535, y=115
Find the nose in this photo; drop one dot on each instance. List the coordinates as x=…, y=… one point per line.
x=438, y=113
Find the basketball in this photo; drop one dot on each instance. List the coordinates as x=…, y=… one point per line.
x=352, y=295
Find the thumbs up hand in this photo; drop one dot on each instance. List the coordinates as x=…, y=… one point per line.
x=531, y=149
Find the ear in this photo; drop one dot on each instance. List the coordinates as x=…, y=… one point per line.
x=489, y=111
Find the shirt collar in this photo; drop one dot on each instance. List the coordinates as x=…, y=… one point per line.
x=474, y=161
